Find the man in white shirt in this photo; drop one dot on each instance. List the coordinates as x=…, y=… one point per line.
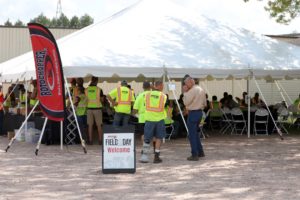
x=195, y=101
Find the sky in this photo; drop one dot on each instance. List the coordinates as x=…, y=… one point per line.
x=237, y=13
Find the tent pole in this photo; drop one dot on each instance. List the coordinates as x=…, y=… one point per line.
x=26, y=104
x=248, y=102
x=290, y=100
x=280, y=91
x=232, y=88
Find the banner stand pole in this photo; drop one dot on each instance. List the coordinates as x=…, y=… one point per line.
x=41, y=136
x=177, y=103
x=73, y=110
x=61, y=134
x=19, y=131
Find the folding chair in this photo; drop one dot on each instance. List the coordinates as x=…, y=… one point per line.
x=282, y=119
x=202, y=123
x=215, y=118
x=238, y=121
x=261, y=118
x=169, y=131
x=226, y=121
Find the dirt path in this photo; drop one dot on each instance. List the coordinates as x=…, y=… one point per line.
x=235, y=167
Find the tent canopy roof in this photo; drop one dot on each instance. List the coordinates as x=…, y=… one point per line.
x=153, y=36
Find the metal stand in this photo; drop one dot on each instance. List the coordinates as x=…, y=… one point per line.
x=23, y=124
x=73, y=110
x=41, y=136
x=44, y=126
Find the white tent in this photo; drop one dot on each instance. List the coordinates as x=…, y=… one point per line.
x=152, y=34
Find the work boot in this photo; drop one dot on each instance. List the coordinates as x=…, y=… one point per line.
x=193, y=158
x=144, y=158
x=201, y=154
x=157, y=158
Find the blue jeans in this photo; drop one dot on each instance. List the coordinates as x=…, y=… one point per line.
x=154, y=129
x=121, y=119
x=193, y=121
x=82, y=122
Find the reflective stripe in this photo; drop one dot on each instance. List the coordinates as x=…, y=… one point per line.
x=122, y=101
x=154, y=108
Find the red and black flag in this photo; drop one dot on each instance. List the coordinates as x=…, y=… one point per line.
x=49, y=73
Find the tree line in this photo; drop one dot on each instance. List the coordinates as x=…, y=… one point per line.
x=283, y=11
x=62, y=22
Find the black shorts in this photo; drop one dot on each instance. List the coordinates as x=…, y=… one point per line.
x=140, y=128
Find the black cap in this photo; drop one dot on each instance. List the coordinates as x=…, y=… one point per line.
x=146, y=85
x=124, y=83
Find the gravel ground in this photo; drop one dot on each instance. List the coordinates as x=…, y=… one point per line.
x=235, y=167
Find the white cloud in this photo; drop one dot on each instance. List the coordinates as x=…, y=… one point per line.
x=249, y=15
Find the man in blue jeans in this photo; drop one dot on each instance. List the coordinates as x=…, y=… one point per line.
x=195, y=101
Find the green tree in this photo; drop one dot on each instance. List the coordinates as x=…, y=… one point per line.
x=8, y=23
x=86, y=20
x=283, y=11
x=42, y=19
x=74, y=22
x=53, y=22
x=19, y=23
x=63, y=21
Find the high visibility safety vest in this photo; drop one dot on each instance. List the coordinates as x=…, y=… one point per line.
x=139, y=105
x=124, y=97
x=169, y=115
x=32, y=102
x=22, y=99
x=155, y=103
x=82, y=105
x=93, y=97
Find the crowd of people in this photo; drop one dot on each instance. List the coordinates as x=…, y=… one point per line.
x=152, y=108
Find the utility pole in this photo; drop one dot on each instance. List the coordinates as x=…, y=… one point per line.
x=58, y=9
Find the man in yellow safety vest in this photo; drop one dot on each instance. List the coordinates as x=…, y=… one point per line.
x=139, y=107
x=94, y=109
x=154, y=121
x=81, y=107
x=121, y=98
